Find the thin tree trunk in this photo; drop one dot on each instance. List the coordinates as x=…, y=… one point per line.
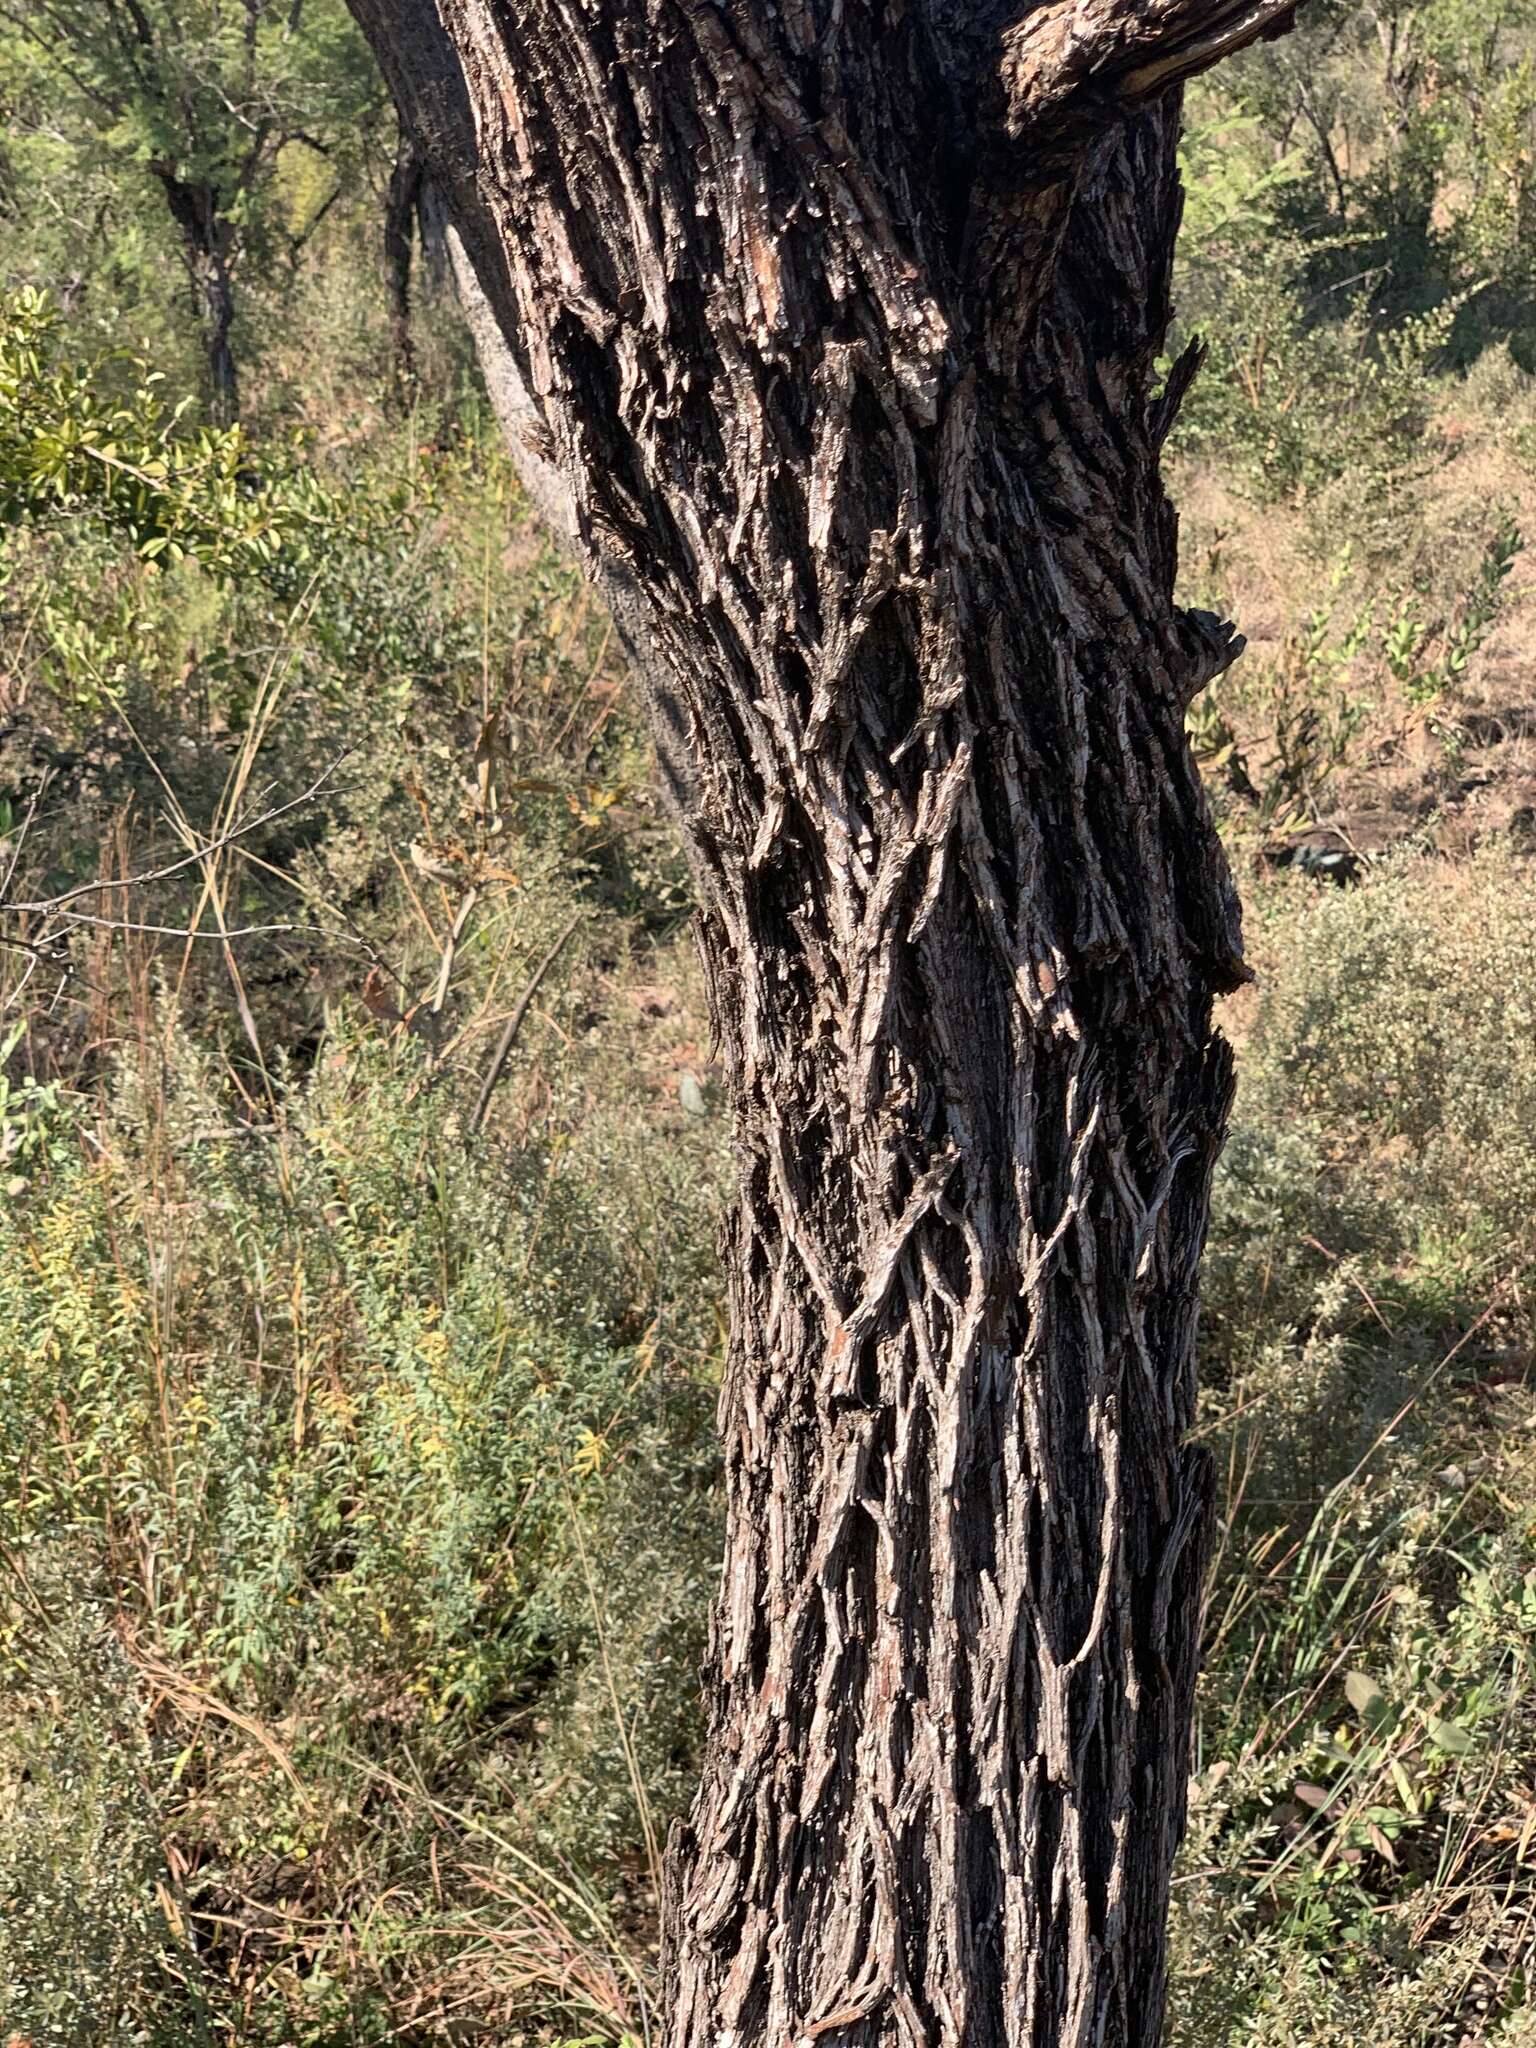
x=831, y=333
x=400, y=208
x=219, y=321
x=208, y=241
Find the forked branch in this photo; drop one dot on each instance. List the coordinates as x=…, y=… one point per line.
x=1071, y=59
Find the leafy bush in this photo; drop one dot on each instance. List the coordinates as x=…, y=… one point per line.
x=1400, y=1028
x=1356, y=1866
x=1276, y=736
x=96, y=440
x=142, y=546
x=88, y=1948
x=331, y=1420
x=352, y=1422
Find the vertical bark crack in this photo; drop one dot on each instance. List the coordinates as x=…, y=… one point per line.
x=852, y=400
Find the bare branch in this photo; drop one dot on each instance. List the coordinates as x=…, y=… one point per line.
x=49, y=906
x=21, y=839
x=181, y=931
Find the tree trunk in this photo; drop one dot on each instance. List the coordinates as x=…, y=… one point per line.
x=207, y=240
x=400, y=207
x=831, y=330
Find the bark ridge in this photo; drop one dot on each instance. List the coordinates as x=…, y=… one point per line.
x=829, y=330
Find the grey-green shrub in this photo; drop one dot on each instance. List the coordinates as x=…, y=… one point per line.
x=339, y=1427
x=1355, y=1871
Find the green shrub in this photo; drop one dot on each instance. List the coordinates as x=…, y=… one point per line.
x=1399, y=1024
x=1356, y=1866
x=87, y=1950
x=354, y=1422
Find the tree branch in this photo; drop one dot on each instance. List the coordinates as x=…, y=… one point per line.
x=1072, y=60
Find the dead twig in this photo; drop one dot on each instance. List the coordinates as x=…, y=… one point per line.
x=50, y=905
x=514, y=1025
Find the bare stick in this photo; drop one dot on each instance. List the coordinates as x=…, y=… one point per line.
x=514, y=1024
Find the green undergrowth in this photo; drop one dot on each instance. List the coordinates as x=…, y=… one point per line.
x=357, y=1473
x=356, y=1364
x=1360, y=1862
x=359, y=1530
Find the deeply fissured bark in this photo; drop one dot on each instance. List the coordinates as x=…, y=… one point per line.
x=827, y=330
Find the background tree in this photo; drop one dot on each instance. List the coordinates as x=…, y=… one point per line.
x=205, y=99
x=1409, y=126
x=832, y=335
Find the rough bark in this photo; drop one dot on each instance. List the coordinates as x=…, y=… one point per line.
x=401, y=204
x=208, y=243
x=831, y=327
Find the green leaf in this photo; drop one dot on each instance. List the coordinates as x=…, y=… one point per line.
x=1364, y=1695
x=1451, y=1737
x=1406, y=1790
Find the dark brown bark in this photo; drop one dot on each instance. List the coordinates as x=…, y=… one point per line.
x=828, y=331
x=401, y=203
x=208, y=248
